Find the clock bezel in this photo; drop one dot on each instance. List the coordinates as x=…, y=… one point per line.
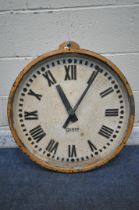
x=73, y=48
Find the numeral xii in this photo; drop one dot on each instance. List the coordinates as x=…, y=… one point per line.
x=70, y=72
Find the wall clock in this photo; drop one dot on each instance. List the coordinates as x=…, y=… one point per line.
x=71, y=110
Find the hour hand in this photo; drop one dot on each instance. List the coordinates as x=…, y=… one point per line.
x=66, y=103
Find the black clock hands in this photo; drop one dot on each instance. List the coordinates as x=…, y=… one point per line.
x=66, y=103
x=90, y=81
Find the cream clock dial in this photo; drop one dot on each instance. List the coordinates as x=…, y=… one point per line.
x=71, y=110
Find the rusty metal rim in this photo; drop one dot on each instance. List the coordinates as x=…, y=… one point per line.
x=62, y=50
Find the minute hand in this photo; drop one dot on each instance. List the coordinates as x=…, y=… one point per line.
x=90, y=81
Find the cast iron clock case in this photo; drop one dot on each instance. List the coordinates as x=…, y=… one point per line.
x=71, y=110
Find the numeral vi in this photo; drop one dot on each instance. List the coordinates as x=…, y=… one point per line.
x=72, y=151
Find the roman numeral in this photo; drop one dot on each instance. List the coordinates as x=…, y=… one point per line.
x=72, y=151
x=70, y=72
x=37, y=133
x=52, y=146
x=50, y=78
x=106, y=131
x=32, y=93
x=111, y=112
x=92, y=146
x=106, y=92
x=31, y=115
x=92, y=77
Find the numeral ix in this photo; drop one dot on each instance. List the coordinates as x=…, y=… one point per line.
x=31, y=115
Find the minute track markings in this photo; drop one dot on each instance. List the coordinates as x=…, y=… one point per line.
x=27, y=84
x=53, y=64
x=58, y=62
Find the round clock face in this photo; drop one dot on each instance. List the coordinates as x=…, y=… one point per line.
x=71, y=111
